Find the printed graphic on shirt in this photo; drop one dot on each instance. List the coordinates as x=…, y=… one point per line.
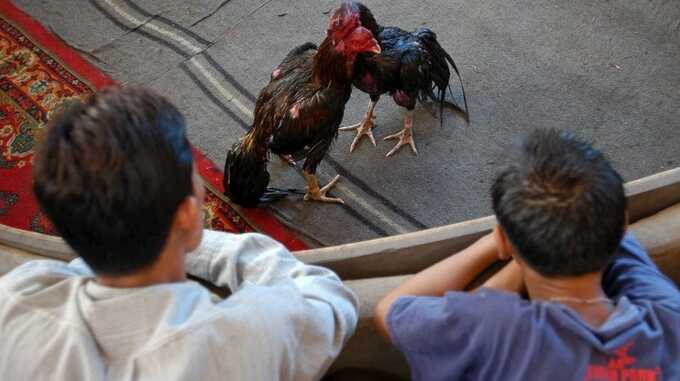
x=620, y=368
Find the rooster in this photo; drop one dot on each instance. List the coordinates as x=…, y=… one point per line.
x=300, y=110
x=410, y=67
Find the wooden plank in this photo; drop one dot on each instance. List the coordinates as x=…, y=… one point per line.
x=649, y=195
x=400, y=254
x=11, y=257
x=36, y=243
x=660, y=235
x=409, y=253
x=367, y=350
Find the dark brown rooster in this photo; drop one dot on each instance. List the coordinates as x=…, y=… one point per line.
x=411, y=66
x=299, y=112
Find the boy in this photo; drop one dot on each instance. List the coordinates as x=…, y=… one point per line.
x=116, y=177
x=599, y=309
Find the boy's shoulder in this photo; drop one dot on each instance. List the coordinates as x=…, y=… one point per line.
x=471, y=332
x=36, y=275
x=425, y=321
x=458, y=304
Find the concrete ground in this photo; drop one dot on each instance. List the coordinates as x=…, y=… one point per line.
x=606, y=70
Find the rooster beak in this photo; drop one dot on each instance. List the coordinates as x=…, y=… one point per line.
x=375, y=47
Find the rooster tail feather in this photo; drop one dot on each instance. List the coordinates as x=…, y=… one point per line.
x=442, y=97
x=272, y=194
x=462, y=88
x=440, y=71
x=245, y=175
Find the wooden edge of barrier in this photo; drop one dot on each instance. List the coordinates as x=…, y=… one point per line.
x=36, y=243
x=400, y=254
x=411, y=252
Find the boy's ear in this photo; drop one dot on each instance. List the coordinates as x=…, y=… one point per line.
x=187, y=210
x=505, y=250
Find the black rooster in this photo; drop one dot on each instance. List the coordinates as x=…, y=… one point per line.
x=300, y=110
x=411, y=66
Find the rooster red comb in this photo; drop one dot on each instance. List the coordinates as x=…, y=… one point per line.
x=344, y=20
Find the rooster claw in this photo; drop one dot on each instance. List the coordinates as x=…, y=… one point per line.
x=320, y=194
x=288, y=159
x=405, y=137
x=365, y=128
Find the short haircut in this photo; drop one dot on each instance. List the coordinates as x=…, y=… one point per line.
x=110, y=175
x=561, y=204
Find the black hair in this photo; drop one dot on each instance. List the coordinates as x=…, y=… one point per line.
x=110, y=175
x=561, y=204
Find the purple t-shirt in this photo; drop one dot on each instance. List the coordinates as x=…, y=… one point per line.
x=491, y=335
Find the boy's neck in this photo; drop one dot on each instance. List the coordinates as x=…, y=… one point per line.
x=168, y=268
x=583, y=294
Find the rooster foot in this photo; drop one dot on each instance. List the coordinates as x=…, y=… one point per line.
x=316, y=194
x=288, y=159
x=365, y=128
x=405, y=137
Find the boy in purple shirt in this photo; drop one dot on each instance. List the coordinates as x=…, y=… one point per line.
x=599, y=309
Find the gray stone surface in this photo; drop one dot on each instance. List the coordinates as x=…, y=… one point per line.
x=217, y=21
x=605, y=70
x=135, y=60
x=77, y=22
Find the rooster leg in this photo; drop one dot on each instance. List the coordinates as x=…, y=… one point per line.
x=405, y=136
x=365, y=128
x=315, y=193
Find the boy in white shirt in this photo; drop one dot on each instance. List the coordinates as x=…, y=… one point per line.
x=116, y=176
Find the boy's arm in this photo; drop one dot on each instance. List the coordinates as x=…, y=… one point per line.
x=234, y=260
x=451, y=274
x=328, y=311
x=633, y=274
x=509, y=278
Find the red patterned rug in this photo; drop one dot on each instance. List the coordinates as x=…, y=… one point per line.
x=37, y=73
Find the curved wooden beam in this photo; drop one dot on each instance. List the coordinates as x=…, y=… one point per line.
x=409, y=253
x=401, y=254
x=36, y=243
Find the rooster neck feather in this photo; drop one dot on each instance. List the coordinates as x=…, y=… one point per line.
x=331, y=66
x=251, y=143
